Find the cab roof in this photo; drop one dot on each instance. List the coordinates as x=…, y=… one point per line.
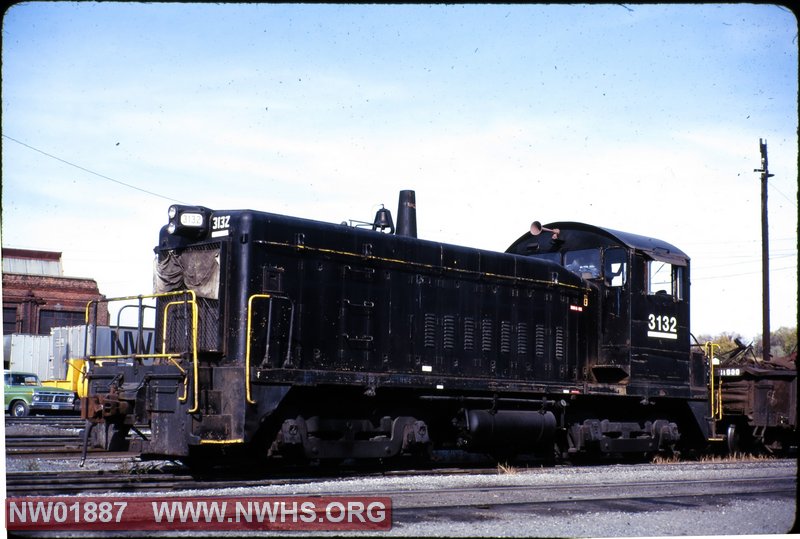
x=583, y=236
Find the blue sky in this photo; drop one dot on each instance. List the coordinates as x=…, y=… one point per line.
x=642, y=118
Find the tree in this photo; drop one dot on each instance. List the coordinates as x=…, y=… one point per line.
x=782, y=342
x=725, y=341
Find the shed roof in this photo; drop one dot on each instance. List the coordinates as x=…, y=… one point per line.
x=32, y=262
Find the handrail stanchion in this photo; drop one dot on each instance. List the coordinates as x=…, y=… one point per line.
x=715, y=390
x=91, y=309
x=287, y=363
x=247, y=347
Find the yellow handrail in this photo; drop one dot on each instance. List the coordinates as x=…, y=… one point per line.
x=223, y=442
x=139, y=297
x=196, y=405
x=164, y=354
x=138, y=356
x=247, y=348
x=715, y=392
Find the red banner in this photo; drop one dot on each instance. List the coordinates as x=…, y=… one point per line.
x=334, y=513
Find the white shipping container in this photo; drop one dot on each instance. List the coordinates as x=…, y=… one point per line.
x=47, y=355
x=28, y=353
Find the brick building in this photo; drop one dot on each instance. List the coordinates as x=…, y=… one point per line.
x=38, y=297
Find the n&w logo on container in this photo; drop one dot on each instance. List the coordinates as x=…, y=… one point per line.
x=332, y=513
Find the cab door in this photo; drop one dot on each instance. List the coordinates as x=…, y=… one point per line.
x=660, y=320
x=614, y=362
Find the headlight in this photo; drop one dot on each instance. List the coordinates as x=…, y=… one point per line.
x=171, y=228
x=173, y=211
x=35, y=397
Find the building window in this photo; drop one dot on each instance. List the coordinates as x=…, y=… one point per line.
x=55, y=319
x=9, y=320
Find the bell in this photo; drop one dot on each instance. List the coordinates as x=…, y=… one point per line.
x=383, y=220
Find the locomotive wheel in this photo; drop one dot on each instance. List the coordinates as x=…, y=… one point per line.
x=732, y=439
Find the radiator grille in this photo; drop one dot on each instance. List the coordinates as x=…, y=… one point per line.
x=179, y=326
x=196, y=268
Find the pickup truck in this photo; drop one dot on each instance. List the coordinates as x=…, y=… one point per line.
x=25, y=394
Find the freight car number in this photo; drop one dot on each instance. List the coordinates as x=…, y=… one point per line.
x=220, y=223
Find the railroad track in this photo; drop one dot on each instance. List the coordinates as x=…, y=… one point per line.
x=169, y=477
x=51, y=436
x=51, y=421
x=39, y=444
x=602, y=501
x=43, y=435
x=70, y=483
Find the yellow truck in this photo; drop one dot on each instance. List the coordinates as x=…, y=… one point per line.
x=68, y=350
x=74, y=381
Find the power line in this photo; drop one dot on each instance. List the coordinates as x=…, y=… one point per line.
x=51, y=156
x=772, y=184
x=698, y=262
x=717, y=276
x=735, y=241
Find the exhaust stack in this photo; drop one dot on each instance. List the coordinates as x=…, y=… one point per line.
x=407, y=214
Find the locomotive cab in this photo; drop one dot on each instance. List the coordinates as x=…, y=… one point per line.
x=644, y=310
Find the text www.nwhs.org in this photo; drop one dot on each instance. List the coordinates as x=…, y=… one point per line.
x=207, y=513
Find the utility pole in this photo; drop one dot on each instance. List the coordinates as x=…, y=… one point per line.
x=765, y=175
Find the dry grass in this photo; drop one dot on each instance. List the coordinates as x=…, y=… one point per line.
x=736, y=457
x=670, y=459
x=506, y=469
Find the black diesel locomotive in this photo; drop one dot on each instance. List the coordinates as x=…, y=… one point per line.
x=288, y=338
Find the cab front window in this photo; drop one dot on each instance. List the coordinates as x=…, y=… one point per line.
x=583, y=262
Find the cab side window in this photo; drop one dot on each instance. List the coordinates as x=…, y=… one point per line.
x=664, y=279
